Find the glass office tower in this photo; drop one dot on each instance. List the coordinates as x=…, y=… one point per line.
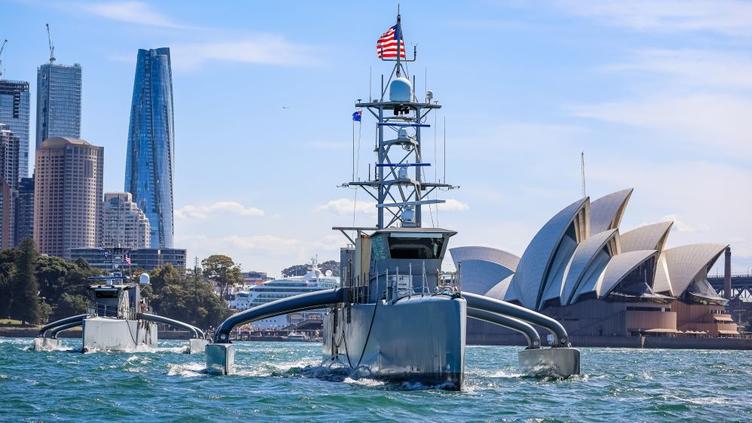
x=58, y=102
x=151, y=144
x=14, y=112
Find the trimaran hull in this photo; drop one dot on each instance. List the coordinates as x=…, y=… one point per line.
x=415, y=339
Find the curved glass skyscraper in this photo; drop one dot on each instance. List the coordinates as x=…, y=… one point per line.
x=151, y=144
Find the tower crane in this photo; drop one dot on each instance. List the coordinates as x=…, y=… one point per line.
x=52, y=46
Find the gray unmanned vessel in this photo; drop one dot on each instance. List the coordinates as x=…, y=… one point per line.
x=395, y=316
x=118, y=322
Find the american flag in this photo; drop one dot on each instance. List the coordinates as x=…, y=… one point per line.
x=386, y=46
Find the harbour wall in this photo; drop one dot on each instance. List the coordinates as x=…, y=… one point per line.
x=674, y=342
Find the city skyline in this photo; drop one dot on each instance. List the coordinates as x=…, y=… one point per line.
x=626, y=91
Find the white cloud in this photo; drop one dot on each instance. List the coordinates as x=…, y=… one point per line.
x=452, y=205
x=728, y=17
x=704, y=68
x=717, y=121
x=679, y=225
x=131, y=12
x=346, y=206
x=221, y=207
x=264, y=49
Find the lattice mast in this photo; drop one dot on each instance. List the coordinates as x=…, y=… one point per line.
x=398, y=182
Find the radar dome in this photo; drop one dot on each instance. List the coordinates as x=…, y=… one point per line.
x=144, y=279
x=400, y=89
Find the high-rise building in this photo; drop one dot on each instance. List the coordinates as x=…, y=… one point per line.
x=9, y=149
x=67, y=195
x=14, y=112
x=25, y=210
x=58, y=101
x=151, y=144
x=124, y=224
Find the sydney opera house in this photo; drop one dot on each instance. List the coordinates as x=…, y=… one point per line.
x=599, y=281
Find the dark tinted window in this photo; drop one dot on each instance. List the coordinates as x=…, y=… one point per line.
x=415, y=248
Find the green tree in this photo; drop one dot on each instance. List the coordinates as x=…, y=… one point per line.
x=163, y=276
x=24, y=290
x=221, y=270
x=192, y=301
x=7, y=270
x=64, y=284
x=69, y=305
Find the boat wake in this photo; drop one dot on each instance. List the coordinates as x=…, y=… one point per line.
x=187, y=370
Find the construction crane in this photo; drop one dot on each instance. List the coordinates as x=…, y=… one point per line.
x=2, y=48
x=52, y=46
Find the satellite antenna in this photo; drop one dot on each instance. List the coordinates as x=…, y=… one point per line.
x=52, y=46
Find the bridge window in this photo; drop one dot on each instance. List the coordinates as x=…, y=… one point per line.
x=415, y=248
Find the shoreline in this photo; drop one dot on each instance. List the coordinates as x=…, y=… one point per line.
x=636, y=342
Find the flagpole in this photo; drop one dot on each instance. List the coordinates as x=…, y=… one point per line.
x=399, y=40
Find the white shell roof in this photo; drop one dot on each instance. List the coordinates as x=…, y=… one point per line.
x=535, y=261
x=607, y=211
x=494, y=255
x=478, y=276
x=688, y=262
x=648, y=237
x=619, y=267
x=482, y=267
x=500, y=289
x=661, y=282
x=582, y=259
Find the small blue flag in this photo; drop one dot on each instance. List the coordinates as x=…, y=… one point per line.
x=357, y=115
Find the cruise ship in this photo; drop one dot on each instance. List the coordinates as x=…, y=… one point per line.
x=313, y=280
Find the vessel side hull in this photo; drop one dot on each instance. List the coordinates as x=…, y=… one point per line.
x=417, y=339
x=104, y=334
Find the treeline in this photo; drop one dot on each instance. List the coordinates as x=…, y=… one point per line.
x=37, y=288
x=188, y=298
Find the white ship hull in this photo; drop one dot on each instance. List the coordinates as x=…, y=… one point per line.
x=108, y=334
x=416, y=339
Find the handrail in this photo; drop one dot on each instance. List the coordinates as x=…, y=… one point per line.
x=197, y=333
x=54, y=331
x=561, y=339
x=66, y=320
x=529, y=332
x=301, y=302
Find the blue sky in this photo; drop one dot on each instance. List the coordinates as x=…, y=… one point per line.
x=656, y=93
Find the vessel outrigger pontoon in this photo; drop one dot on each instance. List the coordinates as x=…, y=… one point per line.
x=119, y=320
x=395, y=316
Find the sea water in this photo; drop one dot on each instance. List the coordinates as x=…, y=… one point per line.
x=285, y=381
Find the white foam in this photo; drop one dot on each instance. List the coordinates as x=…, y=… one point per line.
x=187, y=370
x=370, y=383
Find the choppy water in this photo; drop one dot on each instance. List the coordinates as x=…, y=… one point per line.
x=279, y=381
